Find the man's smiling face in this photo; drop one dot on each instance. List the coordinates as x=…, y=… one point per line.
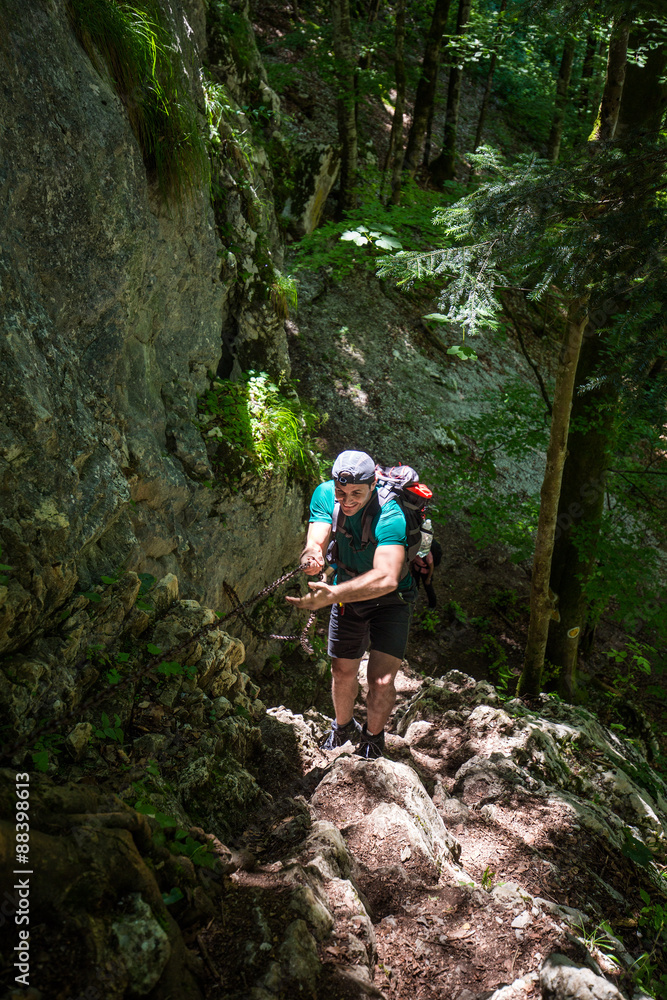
x=353, y=497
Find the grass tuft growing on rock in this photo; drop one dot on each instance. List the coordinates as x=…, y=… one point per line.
x=255, y=426
x=142, y=61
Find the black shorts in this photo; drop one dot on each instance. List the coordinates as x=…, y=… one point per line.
x=382, y=624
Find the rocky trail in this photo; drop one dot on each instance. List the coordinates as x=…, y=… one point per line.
x=212, y=850
x=479, y=860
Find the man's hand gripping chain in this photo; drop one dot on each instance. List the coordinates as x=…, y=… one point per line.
x=312, y=564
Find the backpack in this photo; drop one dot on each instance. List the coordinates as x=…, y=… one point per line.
x=400, y=483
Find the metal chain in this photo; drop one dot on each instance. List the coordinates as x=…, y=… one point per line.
x=302, y=636
x=48, y=727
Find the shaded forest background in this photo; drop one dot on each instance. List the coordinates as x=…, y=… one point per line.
x=515, y=150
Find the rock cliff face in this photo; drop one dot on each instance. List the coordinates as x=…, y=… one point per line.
x=114, y=307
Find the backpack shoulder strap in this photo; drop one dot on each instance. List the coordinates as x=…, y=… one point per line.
x=372, y=508
x=337, y=518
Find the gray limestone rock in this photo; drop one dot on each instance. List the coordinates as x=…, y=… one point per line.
x=143, y=945
x=114, y=309
x=78, y=738
x=314, y=169
x=561, y=979
x=298, y=954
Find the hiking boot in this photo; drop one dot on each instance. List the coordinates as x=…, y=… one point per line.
x=340, y=735
x=370, y=747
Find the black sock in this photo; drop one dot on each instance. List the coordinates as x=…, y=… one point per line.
x=348, y=725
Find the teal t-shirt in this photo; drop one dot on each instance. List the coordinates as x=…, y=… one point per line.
x=388, y=528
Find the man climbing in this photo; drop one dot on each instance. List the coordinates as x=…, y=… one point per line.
x=372, y=596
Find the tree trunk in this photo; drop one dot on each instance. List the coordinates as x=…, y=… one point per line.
x=489, y=78
x=428, y=80
x=396, y=141
x=346, y=104
x=587, y=72
x=541, y=604
x=443, y=167
x=562, y=86
x=580, y=510
x=644, y=97
x=427, y=138
x=605, y=126
x=642, y=105
x=598, y=77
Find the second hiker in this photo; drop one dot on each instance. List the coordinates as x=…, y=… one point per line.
x=372, y=596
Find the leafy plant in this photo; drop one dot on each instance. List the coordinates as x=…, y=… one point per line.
x=499, y=669
x=379, y=239
x=147, y=581
x=372, y=231
x=630, y=662
x=283, y=294
x=199, y=854
x=258, y=426
x=600, y=938
x=44, y=747
x=108, y=730
x=171, y=668
x=428, y=619
x=650, y=969
x=635, y=849
x=173, y=896
x=489, y=879
x=182, y=842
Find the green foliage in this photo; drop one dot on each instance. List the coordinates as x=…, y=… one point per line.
x=650, y=969
x=172, y=668
x=173, y=896
x=635, y=850
x=283, y=294
x=626, y=576
x=428, y=619
x=109, y=730
x=4, y=569
x=601, y=938
x=379, y=239
x=142, y=61
x=230, y=124
x=179, y=841
x=489, y=879
x=258, y=427
x=347, y=245
x=540, y=225
x=465, y=480
x=629, y=663
x=499, y=669
x=44, y=747
x=199, y=854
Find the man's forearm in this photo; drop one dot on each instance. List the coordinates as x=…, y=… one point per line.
x=368, y=585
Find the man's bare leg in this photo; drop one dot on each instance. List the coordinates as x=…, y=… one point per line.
x=381, y=673
x=344, y=688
